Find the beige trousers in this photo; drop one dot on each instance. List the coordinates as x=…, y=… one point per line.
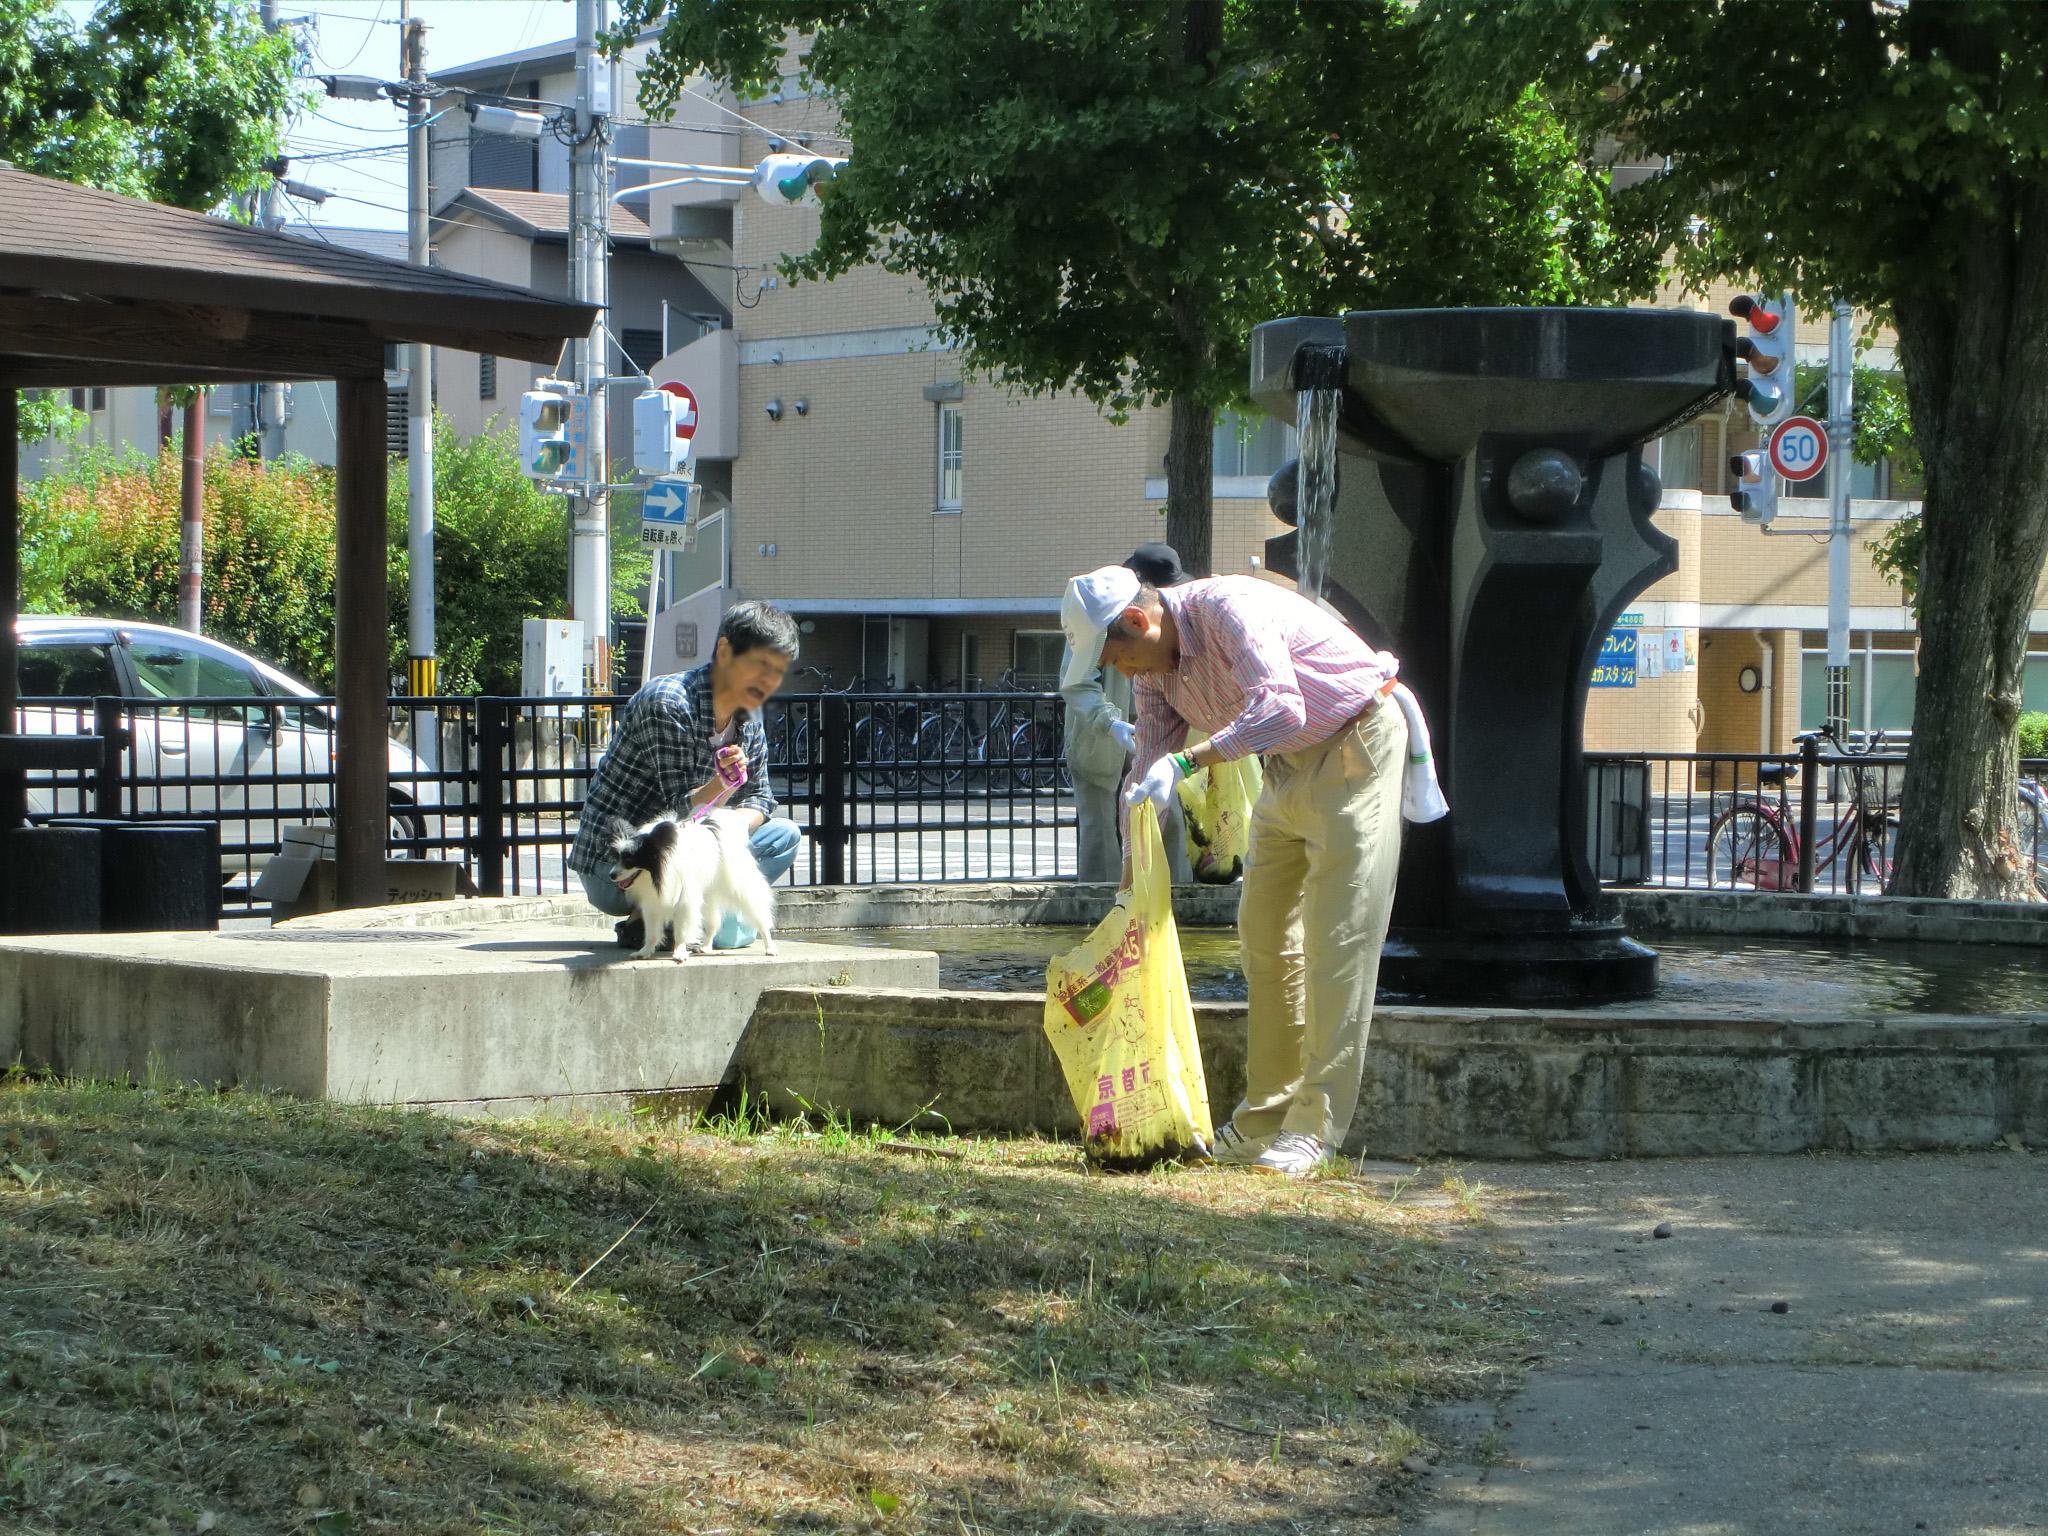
x=1318, y=890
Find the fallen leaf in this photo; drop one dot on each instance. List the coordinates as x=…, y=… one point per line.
x=309, y=1496
x=885, y=1502
x=2011, y=1141
x=207, y=1521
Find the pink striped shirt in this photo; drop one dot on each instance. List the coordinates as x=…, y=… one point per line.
x=1261, y=669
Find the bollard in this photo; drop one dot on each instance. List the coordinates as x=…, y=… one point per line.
x=50, y=880
x=156, y=876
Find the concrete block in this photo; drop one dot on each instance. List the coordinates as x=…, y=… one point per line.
x=1709, y=1102
x=405, y=1015
x=1907, y=1101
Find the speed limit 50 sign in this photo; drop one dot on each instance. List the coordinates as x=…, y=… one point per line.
x=1799, y=448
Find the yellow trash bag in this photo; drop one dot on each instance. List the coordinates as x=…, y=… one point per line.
x=1118, y=1016
x=1217, y=805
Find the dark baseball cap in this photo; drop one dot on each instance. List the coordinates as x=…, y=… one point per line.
x=1156, y=565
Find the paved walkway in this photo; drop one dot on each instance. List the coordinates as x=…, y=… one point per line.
x=1902, y=1388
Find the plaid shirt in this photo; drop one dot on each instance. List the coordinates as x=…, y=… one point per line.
x=658, y=758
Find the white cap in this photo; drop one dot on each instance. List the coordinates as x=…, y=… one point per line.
x=1091, y=605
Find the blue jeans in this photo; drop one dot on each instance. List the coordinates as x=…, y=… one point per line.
x=773, y=844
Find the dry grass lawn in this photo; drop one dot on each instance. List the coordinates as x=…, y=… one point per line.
x=233, y=1313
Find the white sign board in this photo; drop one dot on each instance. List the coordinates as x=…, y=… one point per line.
x=668, y=514
x=1799, y=448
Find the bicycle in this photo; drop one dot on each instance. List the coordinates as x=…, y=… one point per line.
x=1754, y=844
x=2033, y=833
x=1030, y=743
x=870, y=743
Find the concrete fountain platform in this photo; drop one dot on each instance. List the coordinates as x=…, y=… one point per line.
x=516, y=1004
x=496, y=1017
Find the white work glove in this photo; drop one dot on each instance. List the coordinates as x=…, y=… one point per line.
x=1125, y=733
x=1157, y=785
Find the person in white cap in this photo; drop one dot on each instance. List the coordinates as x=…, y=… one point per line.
x=1260, y=669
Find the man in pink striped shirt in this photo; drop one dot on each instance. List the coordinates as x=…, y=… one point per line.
x=1254, y=667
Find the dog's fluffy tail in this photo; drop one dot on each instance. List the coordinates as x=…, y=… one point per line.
x=735, y=842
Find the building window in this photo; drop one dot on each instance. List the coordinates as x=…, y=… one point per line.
x=642, y=347
x=398, y=422
x=1679, y=452
x=970, y=661
x=1249, y=445
x=950, y=457
x=1035, y=659
x=88, y=399
x=486, y=376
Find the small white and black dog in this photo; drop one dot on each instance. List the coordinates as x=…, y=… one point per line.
x=687, y=875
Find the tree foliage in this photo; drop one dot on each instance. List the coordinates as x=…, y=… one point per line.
x=177, y=101
x=100, y=537
x=1895, y=156
x=1107, y=195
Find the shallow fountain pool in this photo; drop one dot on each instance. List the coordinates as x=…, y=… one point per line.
x=1748, y=978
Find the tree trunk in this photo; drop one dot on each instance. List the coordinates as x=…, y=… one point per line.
x=192, y=522
x=1190, y=442
x=1976, y=370
x=1190, y=488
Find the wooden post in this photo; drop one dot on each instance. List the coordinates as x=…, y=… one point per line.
x=13, y=783
x=361, y=641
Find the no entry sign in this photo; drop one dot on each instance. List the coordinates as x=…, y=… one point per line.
x=686, y=418
x=1799, y=448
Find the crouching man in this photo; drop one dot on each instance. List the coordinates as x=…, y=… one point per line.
x=663, y=759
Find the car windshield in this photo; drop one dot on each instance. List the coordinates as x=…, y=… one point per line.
x=172, y=672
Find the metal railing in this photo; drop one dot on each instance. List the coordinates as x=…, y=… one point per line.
x=884, y=786
x=1816, y=820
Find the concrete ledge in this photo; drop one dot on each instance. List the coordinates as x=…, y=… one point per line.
x=454, y=1017
x=1451, y=1082
x=1647, y=913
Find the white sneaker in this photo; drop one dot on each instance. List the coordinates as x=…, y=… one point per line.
x=1231, y=1146
x=1292, y=1156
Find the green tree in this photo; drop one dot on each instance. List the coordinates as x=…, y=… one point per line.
x=1107, y=195
x=177, y=101
x=1895, y=156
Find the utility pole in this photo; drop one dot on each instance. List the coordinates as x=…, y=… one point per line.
x=270, y=397
x=1841, y=449
x=590, y=253
x=192, y=516
x=422, y=665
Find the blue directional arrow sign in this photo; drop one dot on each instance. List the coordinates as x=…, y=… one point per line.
x=668, y=513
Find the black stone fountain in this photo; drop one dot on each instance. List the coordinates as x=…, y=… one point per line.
x=1490, y=519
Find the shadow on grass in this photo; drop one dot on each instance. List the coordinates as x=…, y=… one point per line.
x=294, y=1316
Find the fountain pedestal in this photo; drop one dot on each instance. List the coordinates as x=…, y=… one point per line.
x=1491, y=520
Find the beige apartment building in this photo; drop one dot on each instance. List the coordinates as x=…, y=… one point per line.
x=921, y=521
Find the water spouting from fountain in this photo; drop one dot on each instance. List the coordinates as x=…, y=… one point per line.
x=1316, y=496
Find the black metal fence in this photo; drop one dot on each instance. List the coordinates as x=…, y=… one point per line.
x=885, y=786
x=1819, y=819
x=892, y=787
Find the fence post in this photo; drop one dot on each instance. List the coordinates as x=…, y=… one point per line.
x=835, y=722
x=1809, y=809
x=492, y=740
x=106, y=784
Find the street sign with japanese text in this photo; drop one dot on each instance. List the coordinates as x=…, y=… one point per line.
x=668, y=513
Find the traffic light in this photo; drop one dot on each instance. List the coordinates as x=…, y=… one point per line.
x=1766, y=348
x=1756, y=489
x=789, y=180
x=554, y=425
x=662, y=424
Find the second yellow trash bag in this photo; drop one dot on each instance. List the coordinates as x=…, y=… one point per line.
x=1118, y=1015
x=1217, y=803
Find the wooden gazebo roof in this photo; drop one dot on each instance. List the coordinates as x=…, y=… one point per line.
x=98, y=289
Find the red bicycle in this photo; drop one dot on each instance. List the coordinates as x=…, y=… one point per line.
x=1754, y=844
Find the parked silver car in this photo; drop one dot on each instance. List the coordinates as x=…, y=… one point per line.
x=267, y=762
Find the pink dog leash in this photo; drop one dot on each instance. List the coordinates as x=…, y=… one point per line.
x=732, y=770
